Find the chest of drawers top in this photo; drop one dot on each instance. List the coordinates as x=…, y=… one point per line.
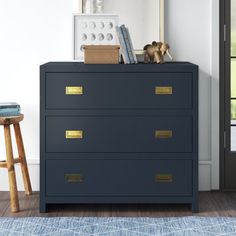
x=145, y=68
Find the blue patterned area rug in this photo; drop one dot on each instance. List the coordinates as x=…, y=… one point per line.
x=110, y=226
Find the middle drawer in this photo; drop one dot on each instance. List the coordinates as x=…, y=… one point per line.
x=118, y=134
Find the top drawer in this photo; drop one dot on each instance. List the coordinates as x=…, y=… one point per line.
x=118, y=90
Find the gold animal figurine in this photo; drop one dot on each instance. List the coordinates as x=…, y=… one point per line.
x=155, y=52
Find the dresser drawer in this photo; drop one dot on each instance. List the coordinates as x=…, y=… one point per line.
x=118, y=90
x=118, y=177
x=118, y=134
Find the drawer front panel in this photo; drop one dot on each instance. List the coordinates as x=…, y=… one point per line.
x=117, y=177
x=118, y=90
x=119, y=134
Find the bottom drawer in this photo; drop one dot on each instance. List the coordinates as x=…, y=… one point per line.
x=118, y=177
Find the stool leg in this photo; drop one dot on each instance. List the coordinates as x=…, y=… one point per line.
x=11, y=170
x=23, y=163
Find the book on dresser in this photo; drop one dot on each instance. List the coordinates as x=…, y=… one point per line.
x=118, y=134
x=123, y=49
x=126, y=45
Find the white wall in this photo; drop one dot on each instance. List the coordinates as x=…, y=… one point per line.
x=34, y=32
x=31, y=33
x=192, y=32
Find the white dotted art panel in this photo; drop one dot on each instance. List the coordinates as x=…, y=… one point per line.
x=96, y=29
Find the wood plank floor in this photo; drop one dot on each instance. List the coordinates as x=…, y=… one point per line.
x=210, y=204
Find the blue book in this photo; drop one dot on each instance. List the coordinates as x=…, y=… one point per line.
x=17, y=109
x=4, y=105
x=9, y=109
x=123, y=49
x=132, y=47
x=9, y=112
x=127, y=43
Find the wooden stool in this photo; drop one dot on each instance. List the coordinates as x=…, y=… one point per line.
x=10, y=161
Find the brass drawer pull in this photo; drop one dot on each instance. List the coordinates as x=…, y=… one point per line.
x=164, y=178
x=164, y=90
x=74, y=90
x=74, y=178
x=74, y=134
x=163, y=134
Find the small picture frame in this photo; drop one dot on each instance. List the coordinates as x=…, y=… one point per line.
x=94, y=29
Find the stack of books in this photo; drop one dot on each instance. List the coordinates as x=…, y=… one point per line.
x=126, y=46
x=9, y=109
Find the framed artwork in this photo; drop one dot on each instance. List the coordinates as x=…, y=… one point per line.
x=94, y=29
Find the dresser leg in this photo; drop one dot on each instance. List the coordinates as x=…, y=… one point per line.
x=43, y=208
x=195, y=208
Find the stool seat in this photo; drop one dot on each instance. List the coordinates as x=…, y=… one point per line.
x=11, y=161
x=10, y=120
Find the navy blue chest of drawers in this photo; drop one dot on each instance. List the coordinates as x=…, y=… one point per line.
x=118, y=134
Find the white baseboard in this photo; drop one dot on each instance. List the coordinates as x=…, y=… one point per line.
x=204, y=174
x=33, y=165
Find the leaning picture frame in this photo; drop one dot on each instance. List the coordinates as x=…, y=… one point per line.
x=146, y=23
x=94, y=29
